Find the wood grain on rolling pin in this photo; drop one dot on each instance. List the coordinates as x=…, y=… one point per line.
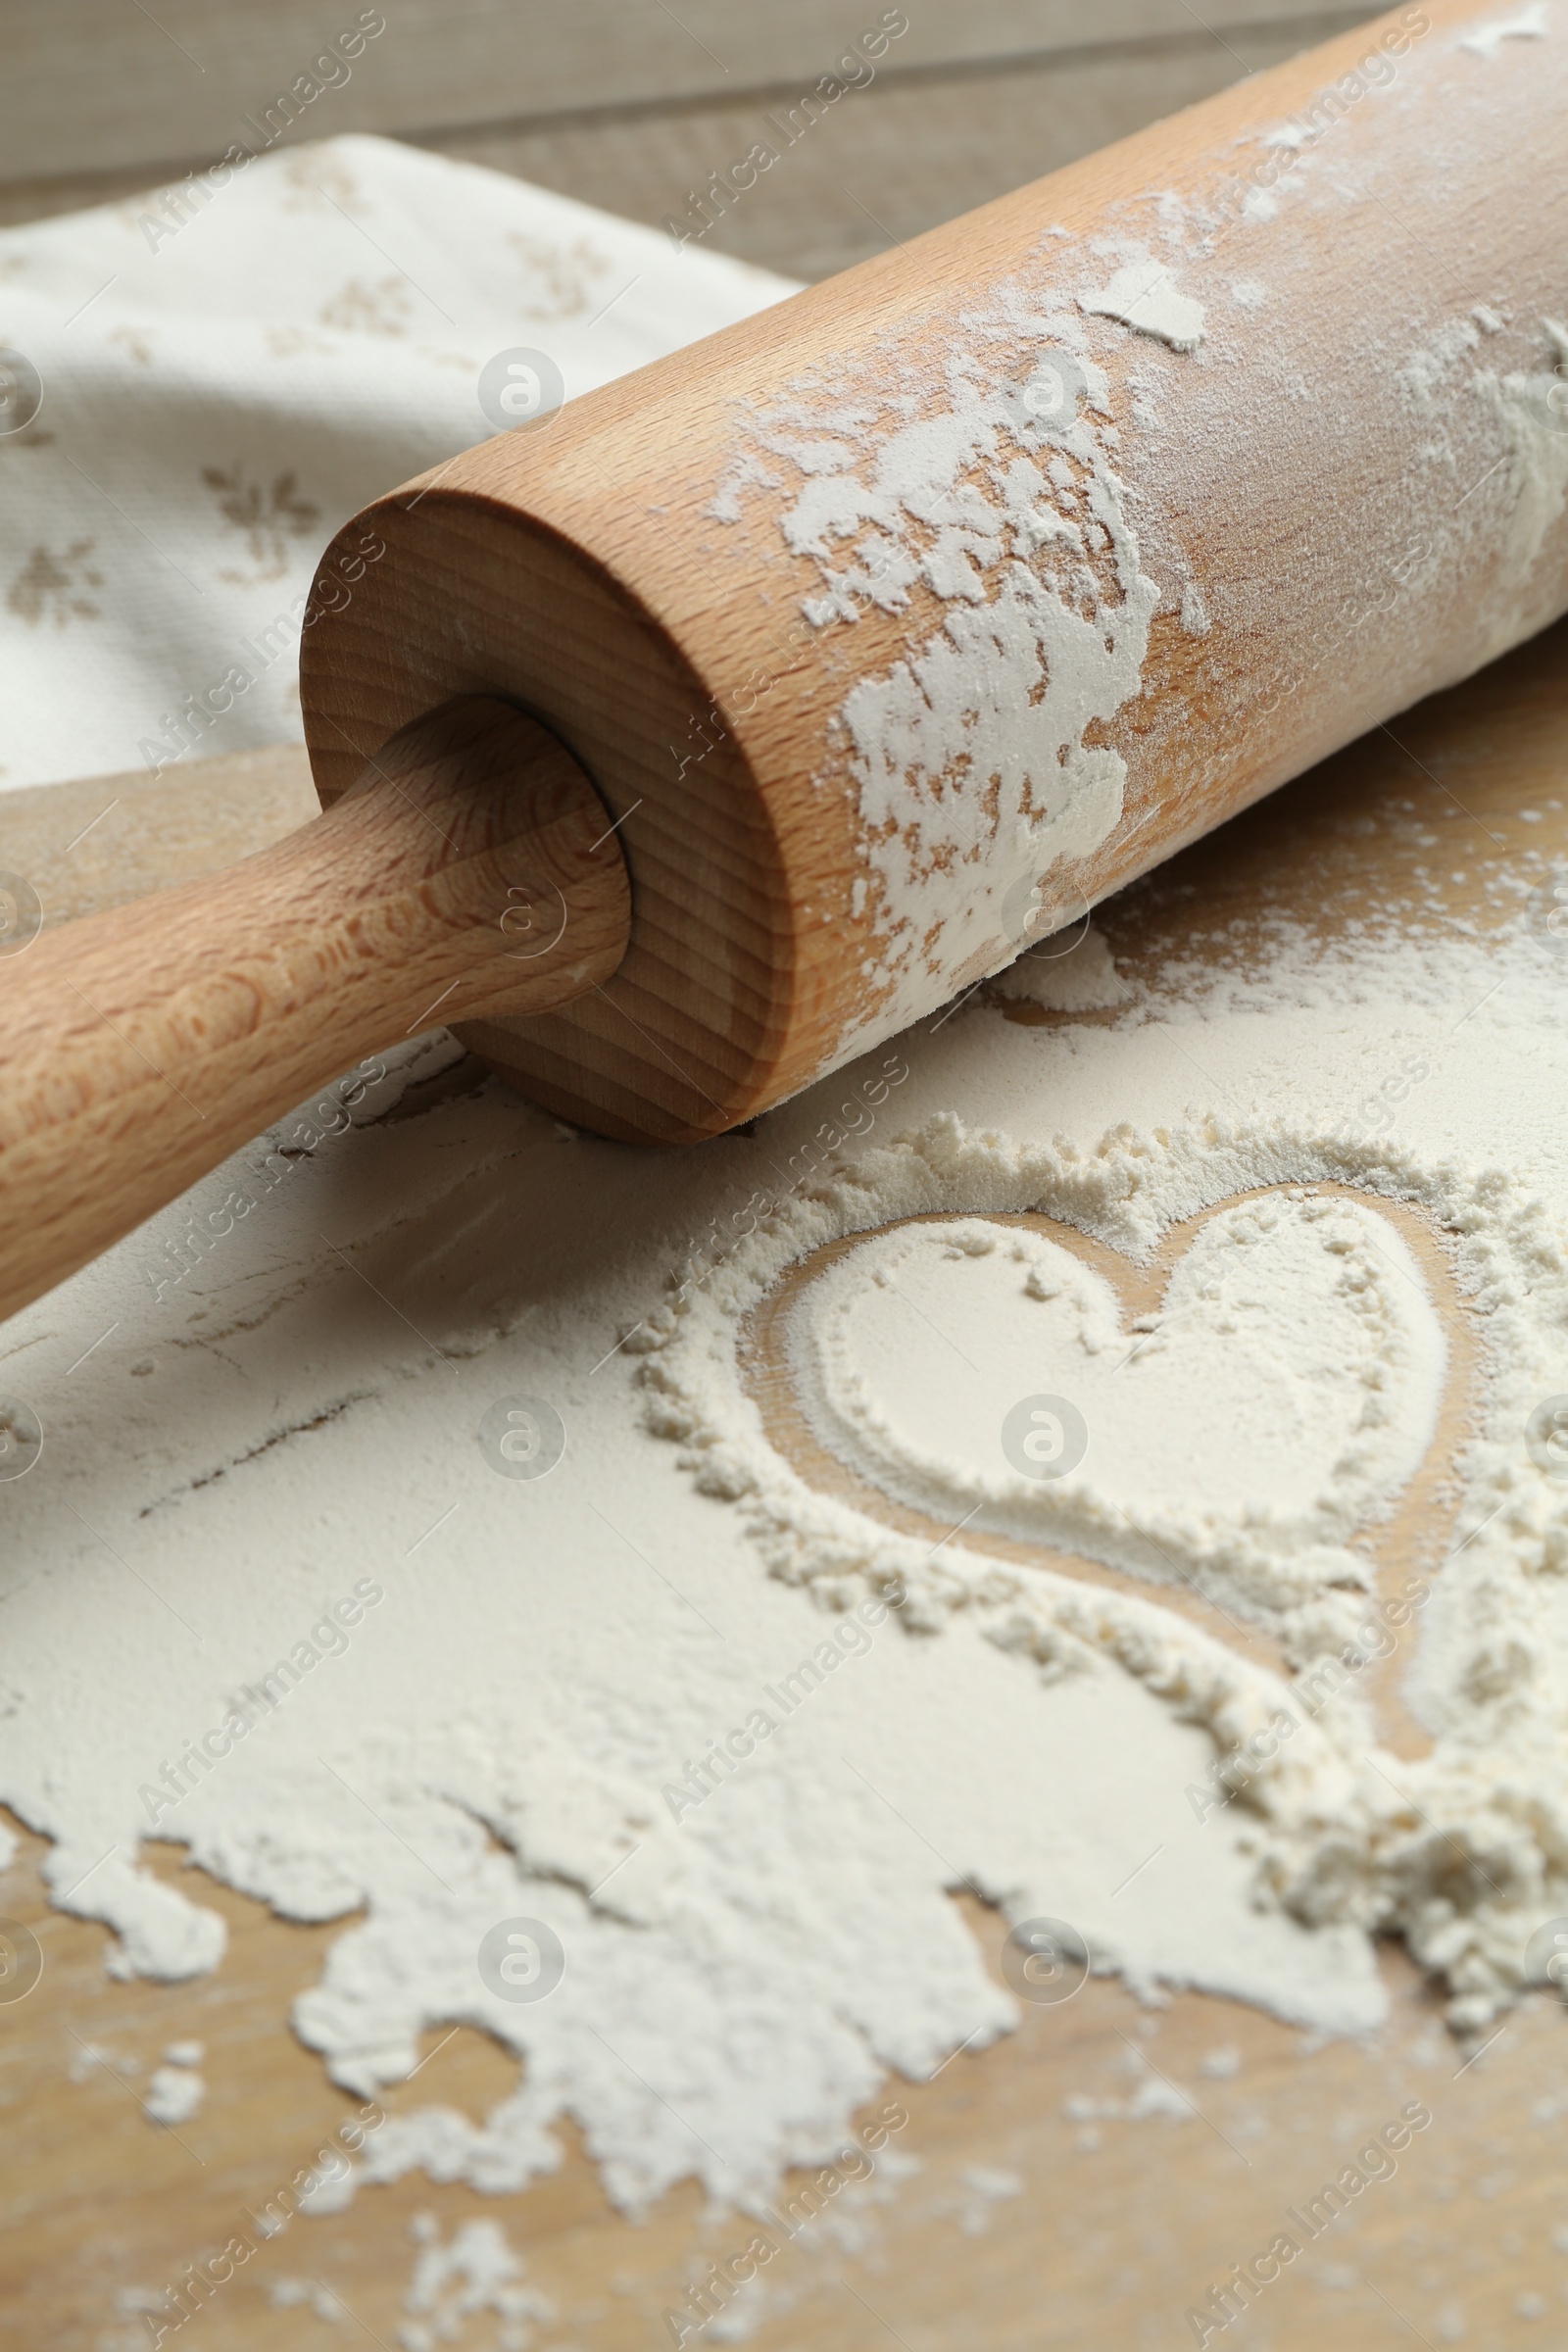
x=143, y=1044
x=1353, y=549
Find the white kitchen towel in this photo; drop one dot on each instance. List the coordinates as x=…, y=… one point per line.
x=198, y=386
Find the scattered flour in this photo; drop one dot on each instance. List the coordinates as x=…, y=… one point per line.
x=88, y=2059
x=1194, y=614
x=1528, y=25
x=1480, y=1684
x=1072, y=972
x=309, y=2294
x=1144, y=295
x=471, y=2275
x=986, y=2187
x=175, y=2093
x=498, y=1740
x=1152, y=2097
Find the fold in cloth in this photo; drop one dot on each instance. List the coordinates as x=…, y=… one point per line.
x=200, y=388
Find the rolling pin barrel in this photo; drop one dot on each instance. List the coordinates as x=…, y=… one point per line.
x=813, y=671
x=947, y=596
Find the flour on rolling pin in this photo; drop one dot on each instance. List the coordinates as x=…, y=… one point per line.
x=987, y=486
x=898, y=622
x=1007, y=506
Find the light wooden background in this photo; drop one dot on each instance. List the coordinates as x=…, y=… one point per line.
x=1119, y=2225
x=628, y=102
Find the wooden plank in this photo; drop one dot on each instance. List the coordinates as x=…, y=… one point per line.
x=96, y=85
x=1119, y=2227
x=886, y=164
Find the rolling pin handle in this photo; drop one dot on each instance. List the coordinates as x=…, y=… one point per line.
x=470, y=872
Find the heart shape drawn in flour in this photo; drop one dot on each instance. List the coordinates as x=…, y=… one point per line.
x=1281, y=1395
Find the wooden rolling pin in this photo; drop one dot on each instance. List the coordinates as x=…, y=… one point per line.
x=873, y=637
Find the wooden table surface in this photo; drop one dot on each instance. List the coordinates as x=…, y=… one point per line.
x=1119, y=2227
x=628, y=104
